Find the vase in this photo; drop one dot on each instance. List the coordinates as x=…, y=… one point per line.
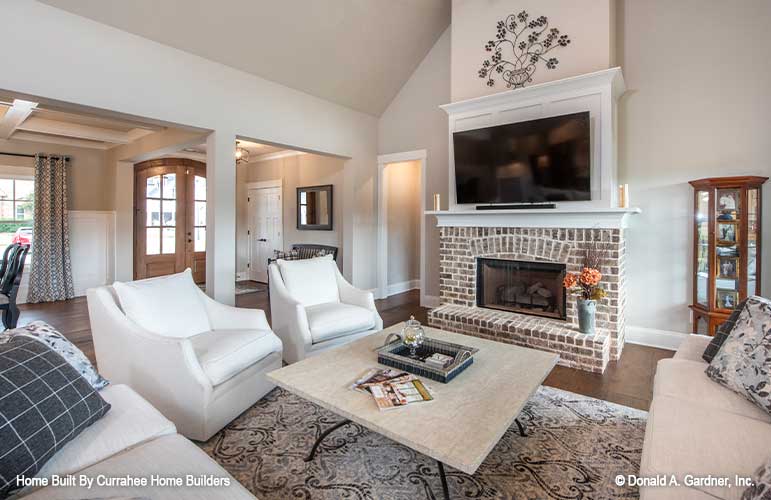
x=586, y=313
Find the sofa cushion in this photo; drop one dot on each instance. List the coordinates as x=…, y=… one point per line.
x=311, y=281
x=686, y=380
x=332, y=320
x=168, y=456
x=48, y=335
x=130, y=422
x=682, y=438
x=225, y=353
x=722, y=333
x=743, y=363
x=44, y=404
x=692, y=348
x=168, y=305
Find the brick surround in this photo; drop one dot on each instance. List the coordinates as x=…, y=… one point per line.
x=460, y=246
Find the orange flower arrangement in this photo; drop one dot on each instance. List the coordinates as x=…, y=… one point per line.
x=586, y=284
x=590, y=276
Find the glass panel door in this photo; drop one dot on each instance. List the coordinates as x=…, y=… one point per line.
x=199, y=211
x=753, y=217
x=727, y=227
x=702, y=267
x=161, y=218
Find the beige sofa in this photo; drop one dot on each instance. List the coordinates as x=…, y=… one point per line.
x=133, y=439
x=698, y=427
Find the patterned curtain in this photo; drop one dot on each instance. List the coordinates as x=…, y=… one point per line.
x=51, y=273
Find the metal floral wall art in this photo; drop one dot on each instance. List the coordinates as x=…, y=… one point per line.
x=520, y=44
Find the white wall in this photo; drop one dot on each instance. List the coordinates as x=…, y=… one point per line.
x=404, y=210
x=87, y=174
x=698, y=106
x=294, y=171
x=414, y=121
x=106, y=68
x=588, y=23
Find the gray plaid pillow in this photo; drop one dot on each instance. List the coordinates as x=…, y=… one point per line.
x=50, y=336
x=44, y=404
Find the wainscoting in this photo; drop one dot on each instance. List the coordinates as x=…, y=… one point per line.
x=92, y=251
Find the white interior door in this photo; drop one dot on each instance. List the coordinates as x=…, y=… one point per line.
x=265, y=229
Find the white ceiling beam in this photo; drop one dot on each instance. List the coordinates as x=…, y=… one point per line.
x=62, y=141
x=15, y=116
x=186, y=154
x=138, y=133
x=275, y=156
x=73, y=130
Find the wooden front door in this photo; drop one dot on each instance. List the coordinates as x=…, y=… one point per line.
x=170, y=218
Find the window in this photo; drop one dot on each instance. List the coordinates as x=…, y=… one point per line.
x=17, y=205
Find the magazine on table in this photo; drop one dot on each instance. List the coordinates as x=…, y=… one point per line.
x=378, y=376
x=392, y=388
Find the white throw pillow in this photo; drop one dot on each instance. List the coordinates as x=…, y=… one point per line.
x=168, y=305
x=311, y=281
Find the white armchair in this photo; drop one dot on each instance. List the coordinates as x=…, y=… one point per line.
x=313, y=308
x=201, y=363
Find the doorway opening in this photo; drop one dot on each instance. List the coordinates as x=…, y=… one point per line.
x=401, y=238
x=275, y=215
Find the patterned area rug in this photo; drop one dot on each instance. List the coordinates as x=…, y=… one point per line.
x=575, y=447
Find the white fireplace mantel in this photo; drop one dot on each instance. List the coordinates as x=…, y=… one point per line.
x=596, y=218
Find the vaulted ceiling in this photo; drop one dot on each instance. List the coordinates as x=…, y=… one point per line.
x=357, y=53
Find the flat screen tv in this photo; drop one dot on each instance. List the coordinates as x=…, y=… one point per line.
x=536, y=161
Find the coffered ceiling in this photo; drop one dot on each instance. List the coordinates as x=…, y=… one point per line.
x=29, y=121
x=357, y=53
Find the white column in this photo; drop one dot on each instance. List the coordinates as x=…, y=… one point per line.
x=221, y=216
x=124, y=221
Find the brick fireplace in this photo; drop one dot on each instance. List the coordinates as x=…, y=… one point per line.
x=523, y=319
x=500, y=269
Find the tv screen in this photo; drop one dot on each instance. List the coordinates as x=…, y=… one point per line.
x=543, y=160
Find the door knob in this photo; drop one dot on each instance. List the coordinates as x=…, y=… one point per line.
x=262, y=239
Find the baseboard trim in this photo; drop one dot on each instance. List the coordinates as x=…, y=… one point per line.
x=404, y=286
x=430, y=301
x=653, y=337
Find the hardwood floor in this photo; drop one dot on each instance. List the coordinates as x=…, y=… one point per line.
x=628, y=381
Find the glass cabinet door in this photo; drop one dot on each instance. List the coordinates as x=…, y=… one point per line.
x=702, y=267
x=727, y=238
x=753, y=218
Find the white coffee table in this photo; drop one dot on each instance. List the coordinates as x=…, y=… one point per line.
x=459, y=428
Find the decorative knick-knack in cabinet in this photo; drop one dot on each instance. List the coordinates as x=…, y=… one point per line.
x=726, y=247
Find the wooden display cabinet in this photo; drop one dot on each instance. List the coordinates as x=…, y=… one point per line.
x=726, y=247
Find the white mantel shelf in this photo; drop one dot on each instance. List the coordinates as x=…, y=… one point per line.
x=599, y=218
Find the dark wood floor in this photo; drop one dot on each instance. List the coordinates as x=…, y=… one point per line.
x=628, y=381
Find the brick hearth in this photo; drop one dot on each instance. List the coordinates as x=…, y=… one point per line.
x=576, y=350
x=458, y=251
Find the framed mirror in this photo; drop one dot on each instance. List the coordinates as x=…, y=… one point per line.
x=314, y=208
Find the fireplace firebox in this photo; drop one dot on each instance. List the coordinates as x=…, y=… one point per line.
x=521, y=286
